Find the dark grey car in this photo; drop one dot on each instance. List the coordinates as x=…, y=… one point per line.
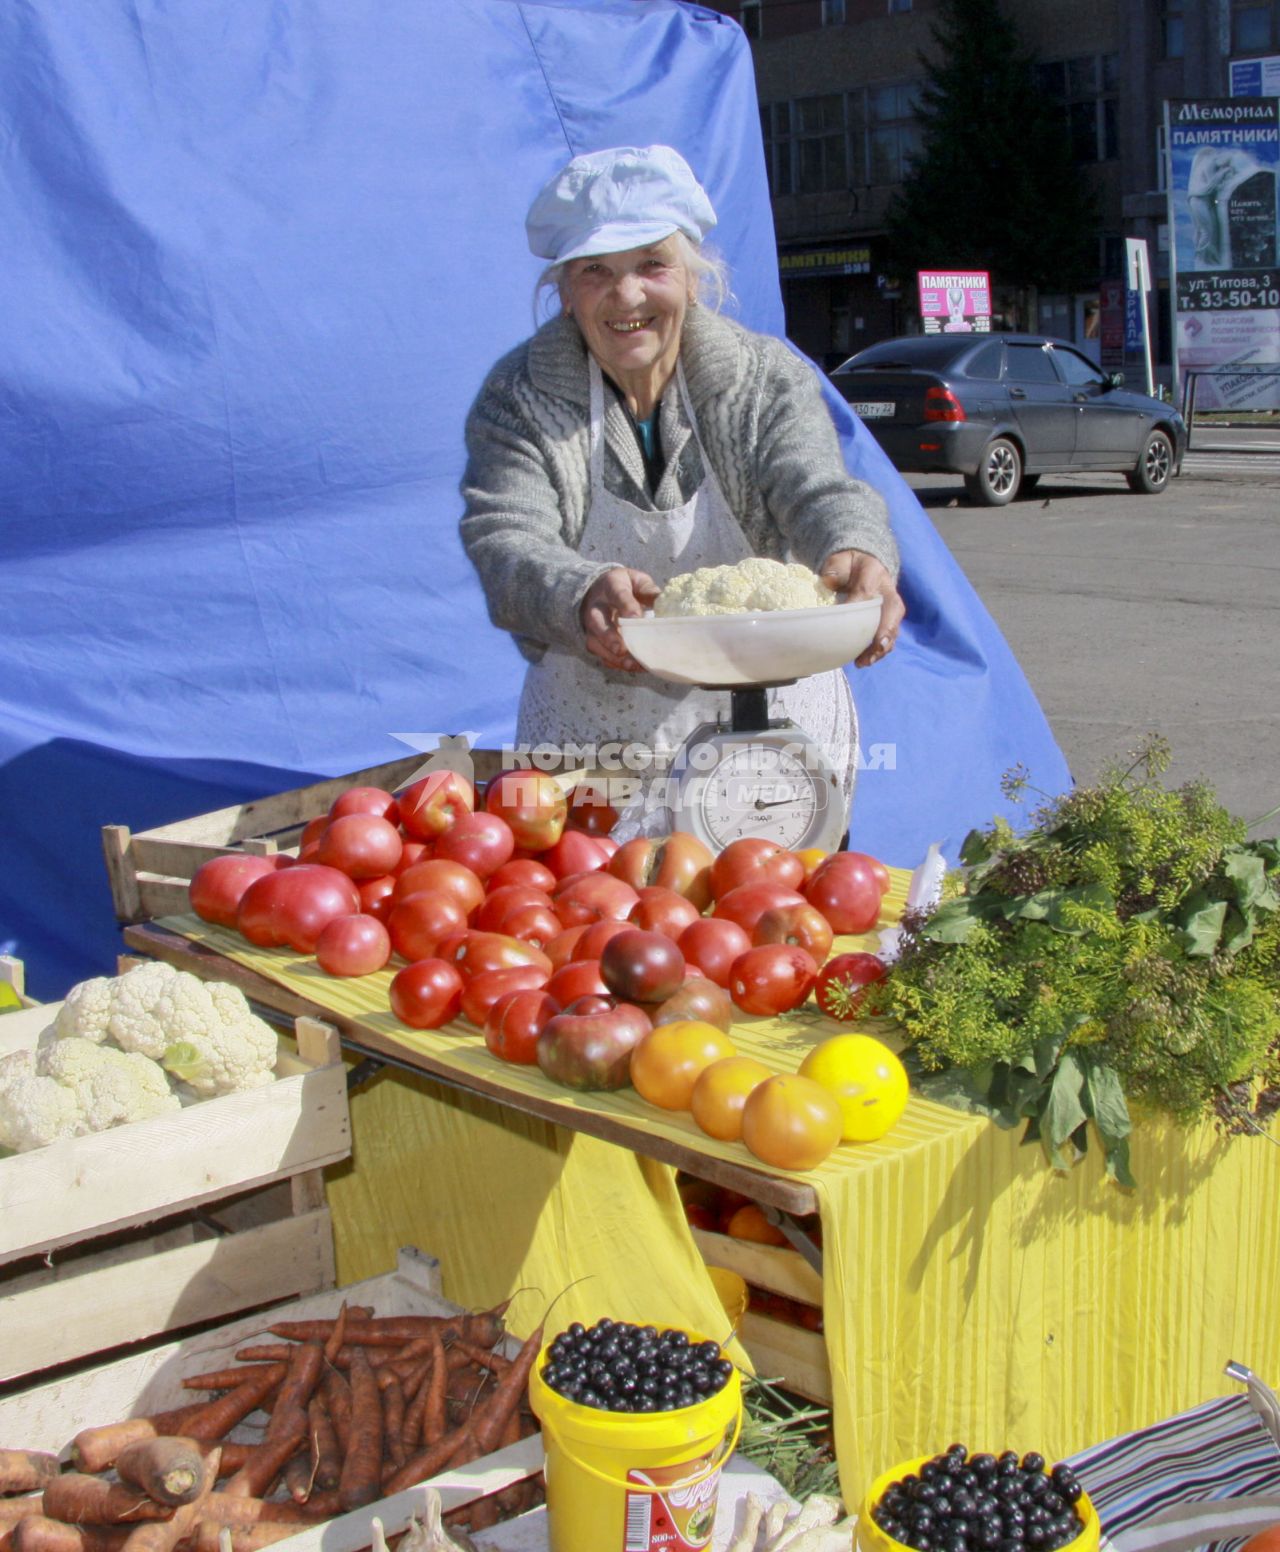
x=1003, y=409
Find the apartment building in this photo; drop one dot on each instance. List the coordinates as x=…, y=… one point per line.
x=838, y=80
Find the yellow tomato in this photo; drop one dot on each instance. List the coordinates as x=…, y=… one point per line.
x=811, y=856
x=721, y=1092
x=670, y=1059
x=868, y=1082
x=791, y=1122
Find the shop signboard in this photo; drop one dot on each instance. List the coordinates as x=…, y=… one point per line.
x=1112, y=325
x=955, y=301
x=1224, y=220
x=1256, y=77
x=824, y=261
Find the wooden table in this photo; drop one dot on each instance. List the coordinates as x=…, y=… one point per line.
x=789, y=1198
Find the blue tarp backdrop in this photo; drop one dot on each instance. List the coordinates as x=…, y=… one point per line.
x=258, y=256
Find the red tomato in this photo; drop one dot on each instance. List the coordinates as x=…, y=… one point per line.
x=536, y=924
x=514, y=1023
x=748, y=902
x=680, y=862
x=564, y=946
x=218, y=884
x=712, y=943
x=353, y=945
x=426, y=994
x=588, y=897
x=642, y=966
x=366, y=800
x=481, y=842
x=596, y=934
x=752, y=860
x=847, y=893
x=310, y=852
x=698, y=998
x=377, y=895
x=482, y=991
x=663, y=910
x=430, y=806
x=876, y=868
x=293, y=906
x=522, y=870
x=842, y=984
x=575, y=852
x=532, y=803
x=419, y=923
x=590, y=811
x=802, y=924
x=579, y=978
x=773, y=978
x=498, y=904
x=474, y=952
x=412, y=853
x=313, y=830
x=445, y=877
x=360, y=845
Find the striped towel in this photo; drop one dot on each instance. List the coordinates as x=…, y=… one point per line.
x=1144, y=1485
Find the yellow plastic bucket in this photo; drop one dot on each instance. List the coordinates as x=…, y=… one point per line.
x=634, y=1481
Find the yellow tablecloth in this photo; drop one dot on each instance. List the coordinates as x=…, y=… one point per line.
x=969, y=1292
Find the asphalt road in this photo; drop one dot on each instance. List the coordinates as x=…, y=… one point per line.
x=1132, y=614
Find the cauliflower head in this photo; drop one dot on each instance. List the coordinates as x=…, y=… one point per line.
x=34, y=1110
x=110, y=1086
x=237, y=1050
x=87, y=1009
x=755, y=583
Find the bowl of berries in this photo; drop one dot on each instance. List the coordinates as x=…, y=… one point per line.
x=978, y=1502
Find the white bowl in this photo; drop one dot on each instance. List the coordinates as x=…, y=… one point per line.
x=766, y=647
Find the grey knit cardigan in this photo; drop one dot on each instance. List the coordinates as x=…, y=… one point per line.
x=767, y=433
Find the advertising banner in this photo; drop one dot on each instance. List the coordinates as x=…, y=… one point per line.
x=955, y=301
x=1224, y=165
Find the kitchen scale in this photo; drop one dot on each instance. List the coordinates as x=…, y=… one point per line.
x=745, y=775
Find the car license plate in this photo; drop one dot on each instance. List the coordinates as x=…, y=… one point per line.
x=875, y=409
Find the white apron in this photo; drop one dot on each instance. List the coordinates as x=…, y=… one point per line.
x=570, y=698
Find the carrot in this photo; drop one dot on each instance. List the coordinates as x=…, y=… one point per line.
x=362, y=1467
x=14, y=1509
x=392, y=1418
x=426, y=1463
x=301, y=1378
x=268, y=1459
x=408, y=1360
x=95, y=1449
x=25, y=1471
x=326, y=1460
x=298, y=1476
x=489, y=1423
x=233, y=1456
x=395, y=1330
x=228, y=1379
x=495, y=1362
x=334, y=1341
x=433, y=1417
x=164, y=1535
x=337, y=1400
x=215, y=1418
x=230, y=1510
x=167, y=1470
x=77, y=1499
x=39, y=1534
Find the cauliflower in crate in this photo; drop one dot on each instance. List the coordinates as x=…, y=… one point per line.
x=129, y=1047
x=751, y=585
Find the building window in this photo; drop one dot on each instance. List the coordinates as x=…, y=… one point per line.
x=832, y=13
x=1255, y=26
x=1171, y=37
x=821, y=155
x=1087, y=87
x=892, y=135
x=750, y=17
x=776, y=120
x=898, y=6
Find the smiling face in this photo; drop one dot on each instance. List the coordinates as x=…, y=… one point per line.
x=630, y=308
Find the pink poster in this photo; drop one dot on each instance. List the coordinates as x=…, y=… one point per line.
x=955, y=301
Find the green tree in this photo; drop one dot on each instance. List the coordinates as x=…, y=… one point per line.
x=994, y=186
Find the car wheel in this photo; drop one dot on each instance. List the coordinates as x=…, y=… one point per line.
x=999, y=474
x=1154, y=467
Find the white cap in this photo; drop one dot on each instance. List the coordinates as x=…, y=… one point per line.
x=609, y=201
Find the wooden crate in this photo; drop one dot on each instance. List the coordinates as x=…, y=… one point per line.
x=778, y=1349
x=149, y=871
x=49, y=1416
x=224, y=1200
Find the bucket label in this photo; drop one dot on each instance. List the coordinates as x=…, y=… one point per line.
x=676, y=1518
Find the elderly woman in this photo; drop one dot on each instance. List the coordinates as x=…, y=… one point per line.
x=638, y=435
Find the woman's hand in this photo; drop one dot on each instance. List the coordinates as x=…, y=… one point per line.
x=618, y=594
x=860, y=575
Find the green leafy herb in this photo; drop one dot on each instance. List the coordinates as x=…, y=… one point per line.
x=1124, y=949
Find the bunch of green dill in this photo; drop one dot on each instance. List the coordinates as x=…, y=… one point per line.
x=1126, y=947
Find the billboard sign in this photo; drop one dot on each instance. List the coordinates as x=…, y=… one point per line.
x=955, y=301
x=1256, y=77
x=1224, y=220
